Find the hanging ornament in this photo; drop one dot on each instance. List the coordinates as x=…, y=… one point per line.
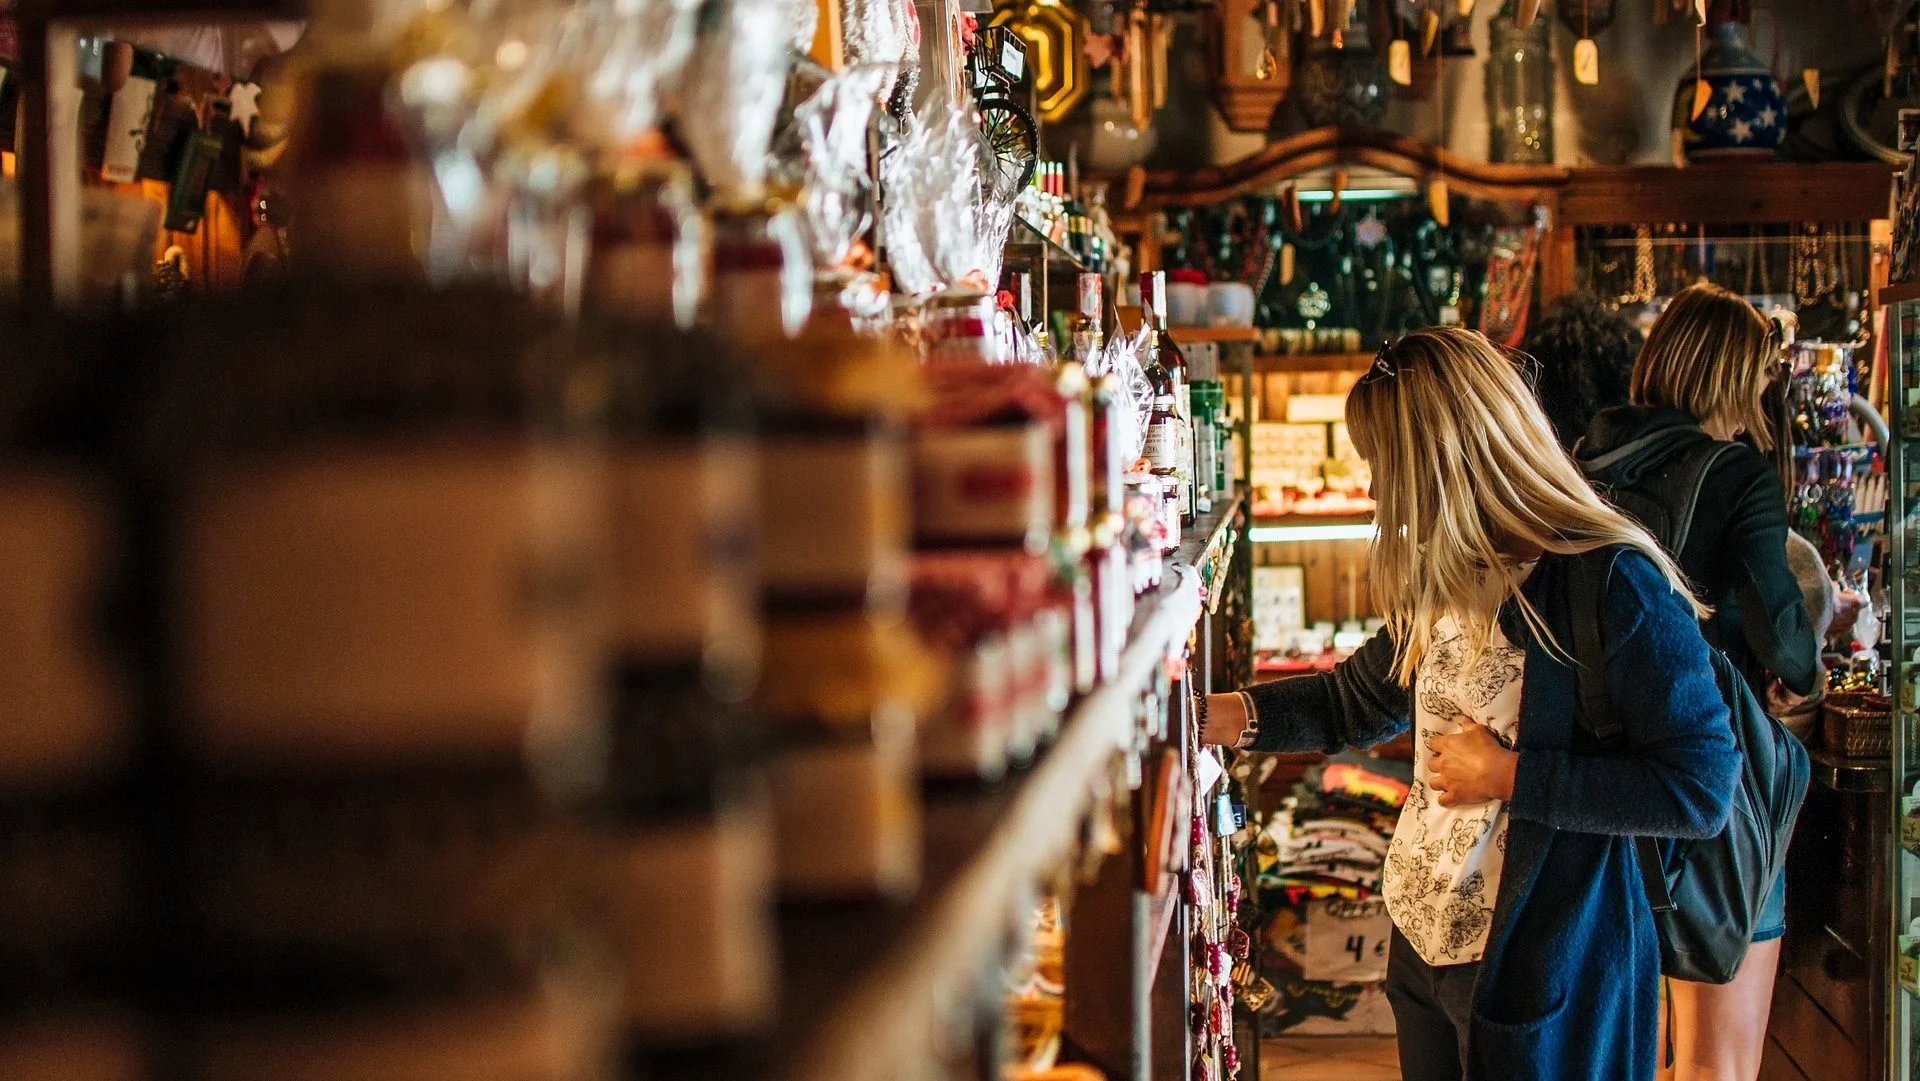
x=1811, y=76
x=1702, y=92
x=1286, y=264
x=1463, y=8
x=1438, y=202
x=1339, y=189
x=1314, y=304
x=1400, y=62
x=1290, y=202
x=1586, y=54
x=1371, y=232
x=1316, y=17
x=1524, y=12
x=1268, y=64
x=1342, y=15
x=1429, y=30
x=1586, y=62
x=245, y=98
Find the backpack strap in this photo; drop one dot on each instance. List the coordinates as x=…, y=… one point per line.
x=1692, y=478
x=1589, y=594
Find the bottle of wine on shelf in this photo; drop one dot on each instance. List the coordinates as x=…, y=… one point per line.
x=1170, y=357
x=685, y=823
x=365, y=573
x=68, y=739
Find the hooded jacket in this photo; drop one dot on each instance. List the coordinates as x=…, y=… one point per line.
x=1736, y=552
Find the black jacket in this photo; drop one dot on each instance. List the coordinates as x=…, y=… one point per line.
x=1736, y=553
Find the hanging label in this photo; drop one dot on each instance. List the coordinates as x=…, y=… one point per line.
x=127, y=122
x=1400, y=62
x=1586, y=62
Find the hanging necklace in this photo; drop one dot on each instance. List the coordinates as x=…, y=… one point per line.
x=1643, y=281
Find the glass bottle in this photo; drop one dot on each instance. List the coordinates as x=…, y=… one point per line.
x=363, y=583
x=1520, y=91
x=1086, y=333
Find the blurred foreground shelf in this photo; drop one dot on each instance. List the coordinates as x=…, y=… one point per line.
x=870, y=988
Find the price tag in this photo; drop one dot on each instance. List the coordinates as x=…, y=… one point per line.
x=1347, y=941
x=1207, y=772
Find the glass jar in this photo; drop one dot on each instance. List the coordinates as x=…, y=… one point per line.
x=1520, y=91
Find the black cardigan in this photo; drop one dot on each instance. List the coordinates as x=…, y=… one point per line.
x=1736, y=554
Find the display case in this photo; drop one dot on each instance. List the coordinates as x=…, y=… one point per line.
x=1901, y=986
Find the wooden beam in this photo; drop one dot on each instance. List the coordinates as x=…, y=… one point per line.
x=1727, y=193
x=1324, y=147
x=122, y=12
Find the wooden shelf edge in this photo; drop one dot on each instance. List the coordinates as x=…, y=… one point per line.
x=1271, y=520
x=1219, y=335
x=1900, y=293
x=1294, y=363
x=890, y=1013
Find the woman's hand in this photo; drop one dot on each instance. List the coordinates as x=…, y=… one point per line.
x=1846, y=612
x=1226, y=720
x=1471, y=767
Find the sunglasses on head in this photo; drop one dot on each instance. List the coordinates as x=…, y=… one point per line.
x=1384, y=365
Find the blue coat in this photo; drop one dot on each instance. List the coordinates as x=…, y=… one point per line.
x=1568, y=987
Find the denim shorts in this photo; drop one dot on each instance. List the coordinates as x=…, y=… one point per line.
x=1771, y=923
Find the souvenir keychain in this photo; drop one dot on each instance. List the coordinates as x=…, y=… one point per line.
x=197, y=154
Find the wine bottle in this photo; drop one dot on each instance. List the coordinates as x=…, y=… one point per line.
x=366, y=565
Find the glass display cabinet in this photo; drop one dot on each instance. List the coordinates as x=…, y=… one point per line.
x=1903, y=886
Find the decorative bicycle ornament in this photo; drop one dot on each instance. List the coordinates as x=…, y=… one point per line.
x=996, y=67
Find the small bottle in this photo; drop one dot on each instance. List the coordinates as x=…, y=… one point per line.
x=1087, y=336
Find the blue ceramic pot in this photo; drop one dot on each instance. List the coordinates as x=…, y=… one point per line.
x=1747, y=114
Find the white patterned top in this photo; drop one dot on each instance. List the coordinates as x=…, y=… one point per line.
x=1443, y=866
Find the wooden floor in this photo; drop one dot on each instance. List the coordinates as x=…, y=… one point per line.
x=1329, y=1058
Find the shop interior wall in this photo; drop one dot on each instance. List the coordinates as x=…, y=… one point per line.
x=1624, y=120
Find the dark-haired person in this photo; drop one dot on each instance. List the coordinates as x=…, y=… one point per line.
x=1585, y=351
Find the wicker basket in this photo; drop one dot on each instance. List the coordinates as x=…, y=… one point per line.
x=1858, y=725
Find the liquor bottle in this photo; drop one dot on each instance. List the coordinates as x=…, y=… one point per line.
x=1178, y=451
x=684, y=819
x=1087, y=336
x=69, y=737
x=364, y=571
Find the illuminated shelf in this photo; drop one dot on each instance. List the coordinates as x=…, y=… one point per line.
x=1276, y=363
x=1296, y=528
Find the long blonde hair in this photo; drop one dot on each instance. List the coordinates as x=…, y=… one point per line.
x=1463, y=461
x=1708, y=355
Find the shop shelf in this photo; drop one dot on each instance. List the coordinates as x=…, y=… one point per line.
x=868, y=986
x=1218, y=335
x=1283, y=363
x=1029, y=236
x=1208, y=546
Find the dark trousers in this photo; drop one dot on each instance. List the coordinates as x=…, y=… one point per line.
x=1432, y=1013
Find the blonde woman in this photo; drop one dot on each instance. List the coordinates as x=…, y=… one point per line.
x=1524, y=949
x=1697, y=387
